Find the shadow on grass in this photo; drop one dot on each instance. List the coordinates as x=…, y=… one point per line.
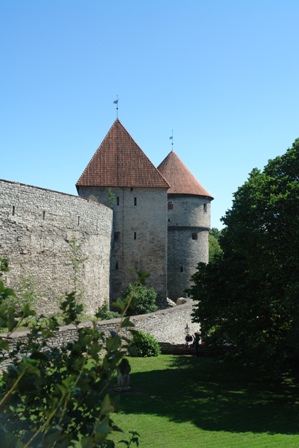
x=215, y=396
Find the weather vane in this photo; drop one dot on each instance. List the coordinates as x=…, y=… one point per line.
x=116, y=102
x=171, y=138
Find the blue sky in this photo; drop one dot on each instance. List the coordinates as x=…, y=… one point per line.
x=222, y=74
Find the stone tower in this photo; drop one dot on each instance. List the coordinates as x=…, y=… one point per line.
x=121, y=176
x=188, y=224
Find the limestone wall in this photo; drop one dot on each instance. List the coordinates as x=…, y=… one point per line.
x=167, y=325
x=36, y=226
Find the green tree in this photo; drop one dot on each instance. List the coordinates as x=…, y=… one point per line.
x=214, y=246
x=248, y=295
x=216, y=233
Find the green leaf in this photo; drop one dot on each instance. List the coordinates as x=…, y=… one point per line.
x=106, y=407
x=119, y=304
x=127, y=323
x=27, y=310
x=63, y=390
x=4, y=345
x=51, y=438
x=11, y=321
x=102, y=430
x=87, y=442
x=9, y=440
x=113, y=343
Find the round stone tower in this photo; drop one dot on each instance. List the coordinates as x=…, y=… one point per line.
x=189, y=211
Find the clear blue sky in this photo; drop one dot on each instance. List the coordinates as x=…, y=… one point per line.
x=222, y=74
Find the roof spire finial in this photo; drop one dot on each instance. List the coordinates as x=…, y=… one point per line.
x=116, y=102
x=171, y=138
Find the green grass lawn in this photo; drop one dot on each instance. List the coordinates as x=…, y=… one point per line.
x=188, y=402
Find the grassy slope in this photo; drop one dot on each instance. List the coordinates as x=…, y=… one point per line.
x=199, y=402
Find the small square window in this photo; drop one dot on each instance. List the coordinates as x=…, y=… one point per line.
x=205, y=208
x=194, y=236
x=170, y=205
x=116, y=236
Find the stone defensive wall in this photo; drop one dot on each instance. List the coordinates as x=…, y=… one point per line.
x=36, y=228
x=167, y=325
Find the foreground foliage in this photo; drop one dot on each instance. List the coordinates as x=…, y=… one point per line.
x=57, y=396
x=248, y=295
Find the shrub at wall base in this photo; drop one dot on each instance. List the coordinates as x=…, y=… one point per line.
x=144, y=344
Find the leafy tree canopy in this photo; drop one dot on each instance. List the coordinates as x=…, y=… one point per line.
x=216, y=233
x=214, y=246
x=248, y=294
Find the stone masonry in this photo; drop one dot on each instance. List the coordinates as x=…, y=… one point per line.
x=36, y=226
x=139, y=240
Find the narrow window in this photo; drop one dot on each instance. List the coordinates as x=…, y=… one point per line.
x=13, y=210
x=44, y=214
x=135, y=235
x=116, y=265
x=168, y=220
x=136, y=265
x=170, y=205
x=117, y=200
x=135, y=201
x=182, y=269
x=78, y=220
x=205, y=208
x=131, y=189
x=194, y=236
x=116, y=236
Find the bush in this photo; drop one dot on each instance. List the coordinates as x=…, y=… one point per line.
x=142, y=299
x=144, y=344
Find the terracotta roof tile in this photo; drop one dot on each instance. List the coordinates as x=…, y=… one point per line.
x=180, y=179
x=120, y=162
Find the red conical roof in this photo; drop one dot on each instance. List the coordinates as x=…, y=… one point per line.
x=120, y=162
x=180, y=179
